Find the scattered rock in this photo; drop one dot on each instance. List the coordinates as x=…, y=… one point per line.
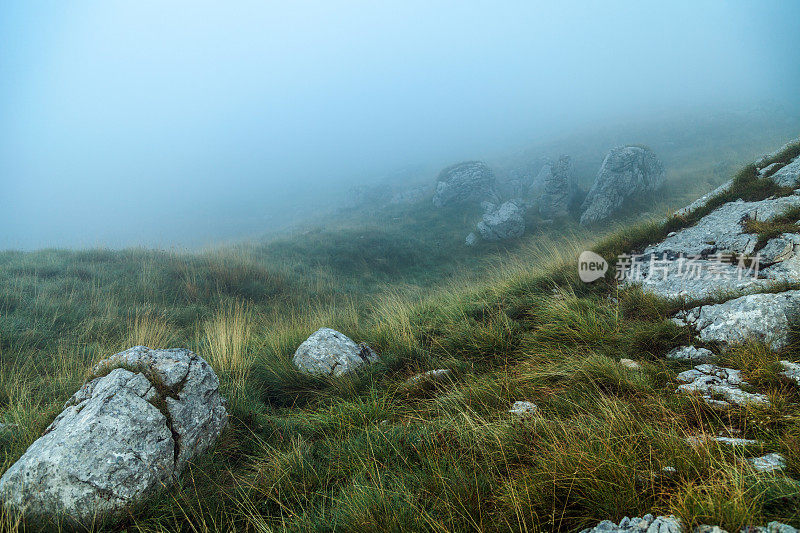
x=690, y=353
x=558, y=189
x=328, y=352
x=630, y=364
x=768, y=463
x=718, y=386
x=695, y=440
x=709, y=529
x=774, y=527
x=471, y=239
x=626, y=171
x=467, y=182
x=767, y=318
x=788, y=175
x=120, y=437
x=524, y=409
x=430, y=376
x=645, y=524
x=504, y=223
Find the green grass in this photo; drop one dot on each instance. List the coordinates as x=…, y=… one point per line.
x=368, y=452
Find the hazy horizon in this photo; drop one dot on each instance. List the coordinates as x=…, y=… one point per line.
x=189, y=123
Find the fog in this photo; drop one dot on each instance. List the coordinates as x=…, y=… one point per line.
x=187, y=123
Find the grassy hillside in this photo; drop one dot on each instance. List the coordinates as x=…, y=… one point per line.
x=370, y=452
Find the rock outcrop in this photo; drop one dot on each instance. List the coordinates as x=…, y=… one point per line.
x=723, y=230
x=626, y=171
x=768, y=318
x=505, y=222
x=788, y=175
x=469, y=182
x=123, y=435
x=670, y=524
x=558, y=189
x=328, y=352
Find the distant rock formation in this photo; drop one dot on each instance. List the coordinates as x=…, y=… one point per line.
x=558, y=188
x=469, y=182
x=505, y=222
x=626, y=171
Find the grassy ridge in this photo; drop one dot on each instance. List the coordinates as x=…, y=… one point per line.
x=371, y=452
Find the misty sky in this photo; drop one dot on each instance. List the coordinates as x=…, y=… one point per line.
x=155, y=122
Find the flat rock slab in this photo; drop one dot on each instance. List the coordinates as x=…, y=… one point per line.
x=718, y=386
x=121, y=437
x=328, y=352
x=694, y=279
x=767, y=318
x=722, y=230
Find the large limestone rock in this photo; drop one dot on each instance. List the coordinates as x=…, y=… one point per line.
x=768, y=318
x=558, y=189
x=468, y=182
x=122, y=436
x=626, y=171
x=328, y=352
x=505, y=222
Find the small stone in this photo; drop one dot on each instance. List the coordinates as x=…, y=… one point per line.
x=630, y=364
x=768, y=463
x=695, y=440
x=523, y=409
x=428, y=377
